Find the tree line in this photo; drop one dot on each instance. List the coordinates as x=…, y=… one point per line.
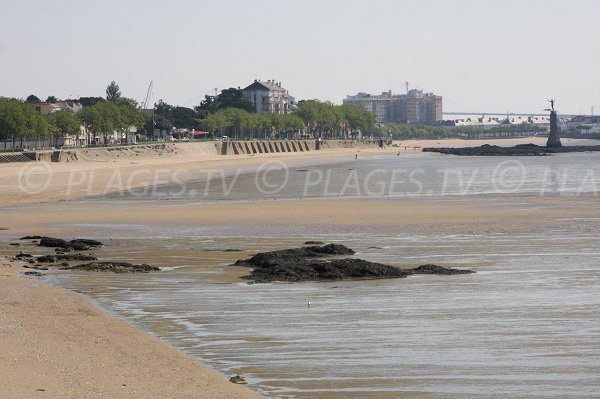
x=99, y=116
x=230, y=114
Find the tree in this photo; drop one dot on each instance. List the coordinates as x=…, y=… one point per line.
x=63, y=122
x=183, y=117
x=18, y=120
x=233, y=98
x=112, y=92
x=89, y=101
x=33, y=99
x=51, y=99
x=206, y=107
x=130, y=114
x=162, y=115
x=228, y=98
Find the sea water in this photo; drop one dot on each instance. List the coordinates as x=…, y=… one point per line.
x=525, y=325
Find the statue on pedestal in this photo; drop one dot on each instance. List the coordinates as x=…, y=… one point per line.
x=553, y=139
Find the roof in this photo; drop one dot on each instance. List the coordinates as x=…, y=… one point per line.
x=270, y=85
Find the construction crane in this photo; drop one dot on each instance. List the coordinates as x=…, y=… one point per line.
x=144, y=104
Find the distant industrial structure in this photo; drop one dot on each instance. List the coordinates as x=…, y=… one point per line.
x=412, y=107
x=270, y=97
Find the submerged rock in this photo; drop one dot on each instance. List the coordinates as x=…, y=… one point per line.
x=237, y=379
x=65, y=257
x=308, y=264
x=314, y=243
x=116, y=267
x=435, y=269
x=22, y=256
x=37, y=274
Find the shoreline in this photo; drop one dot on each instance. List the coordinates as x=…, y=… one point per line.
x=58, y=343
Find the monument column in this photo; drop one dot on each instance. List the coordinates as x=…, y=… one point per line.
x=553, y=139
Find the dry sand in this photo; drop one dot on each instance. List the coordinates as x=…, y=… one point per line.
x=56, y=341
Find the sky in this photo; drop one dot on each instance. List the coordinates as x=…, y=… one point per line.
x=480, y=56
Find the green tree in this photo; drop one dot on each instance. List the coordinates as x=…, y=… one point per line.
x=183, y=117
x=62, y=123
x=51, y=99
x=163, y=115
x=112, y=92
x=89, y=101
x=33, y=99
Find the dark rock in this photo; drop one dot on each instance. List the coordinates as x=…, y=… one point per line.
x=308, y=264
x=64, y=264
x=54, y=242
x=31, y=238
x=22, y=255
x=91, y=243
x=331, y=249
x=116, y=267
x=14, y=244
x=314, y=243
x=46, y=259
x=78, y=244
x=238, y=380
x=32, y=274
x=435, y=269
x=518, y=150
x=67, y=257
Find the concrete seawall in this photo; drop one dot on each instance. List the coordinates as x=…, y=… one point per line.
x=164, y=150
x=265, y=147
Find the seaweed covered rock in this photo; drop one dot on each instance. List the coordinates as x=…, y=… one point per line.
x=65, y=257
x=116, y=267
x=78, y=244
x=435, y=269
x=311, y=264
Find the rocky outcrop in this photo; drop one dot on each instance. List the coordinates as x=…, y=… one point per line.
x=518, y=150
x=78, y=244
x=314, y=263
x=435, y=269
x=116, y=267
x=65, y=257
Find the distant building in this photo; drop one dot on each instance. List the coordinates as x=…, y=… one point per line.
x=269, y=96
x=412, y=107
x=48, y=108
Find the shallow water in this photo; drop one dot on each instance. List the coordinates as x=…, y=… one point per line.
x=524, y=325
x=389, y=176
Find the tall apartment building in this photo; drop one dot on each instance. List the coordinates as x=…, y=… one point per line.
x=413, y=107
x=269, y=96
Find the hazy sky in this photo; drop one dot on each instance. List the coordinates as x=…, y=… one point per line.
x=492, y=56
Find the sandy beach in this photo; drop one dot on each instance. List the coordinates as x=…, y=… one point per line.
x=56, y=344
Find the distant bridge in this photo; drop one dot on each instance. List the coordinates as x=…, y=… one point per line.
x=504, y=114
